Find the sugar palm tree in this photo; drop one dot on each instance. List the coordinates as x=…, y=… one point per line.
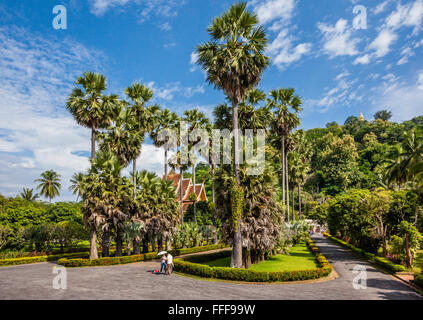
x=177, y=161
x=234, y=62
x=29, y=195
x=145, y=117
x=284, y=122
x=167, y=121
x=90, y=107
x=195, y=120
x=77, y=184
x=49, y=184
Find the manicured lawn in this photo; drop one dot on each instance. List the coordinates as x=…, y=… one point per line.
x=300, y=258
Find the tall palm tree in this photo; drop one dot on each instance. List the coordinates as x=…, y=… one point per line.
x=167, y=120
x=145, y=117
x=284, y=122
x=178, y=162
x=49, y=184
x=76, y=186
x=90, y=107
x=234, y=62
x=195, y=120
x=29, y=195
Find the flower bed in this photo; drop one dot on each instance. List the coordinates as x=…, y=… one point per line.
x=72, y=263
x=192, y=265
x=380, y=261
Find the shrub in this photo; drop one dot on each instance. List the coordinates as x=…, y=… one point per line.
x=418, y=280
x=192, y=265
x=381, y=261
x=71, y=263
x=27, y=260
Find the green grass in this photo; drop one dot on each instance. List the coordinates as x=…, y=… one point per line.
x=299, y=258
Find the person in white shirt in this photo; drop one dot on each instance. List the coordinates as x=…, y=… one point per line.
x=169, y=261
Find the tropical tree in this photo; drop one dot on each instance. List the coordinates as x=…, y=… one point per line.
x=90, y=107
x=49, y=184
x=383, y=115
x=234, y=62
x=167, y=122
x=196, y=120
x=282, y=101
x=144, y=117
x=76, y=185
x=106, y=199
x=29, y=195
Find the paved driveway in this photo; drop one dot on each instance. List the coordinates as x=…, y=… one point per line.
x=135, y=281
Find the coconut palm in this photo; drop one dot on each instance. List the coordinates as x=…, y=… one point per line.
x=76, y=186
x=90, y=107
x=284, y=122
x=167, y=121
x=234, y=62
x=49, y=184
x=29, y=195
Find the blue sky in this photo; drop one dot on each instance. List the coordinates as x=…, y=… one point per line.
x=337, y=69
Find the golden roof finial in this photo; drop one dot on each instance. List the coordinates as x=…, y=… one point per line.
x=361, y=116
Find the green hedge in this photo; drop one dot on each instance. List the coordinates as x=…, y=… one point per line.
x=418, y=280
x=380, y=261
x=73, y=263
x=27, y=260
x=192, y=265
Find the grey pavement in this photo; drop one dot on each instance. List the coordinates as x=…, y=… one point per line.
x=135, y=281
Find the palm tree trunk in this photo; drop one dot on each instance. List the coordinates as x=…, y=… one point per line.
x=213, y=194
x=236, y=261
x=293, y=204
x=93, y=244
x=299, y=201
x=283, y=174
x=195, y=201
x=165, y=163
x=134, y=176
x=92, y=142
x=105, y=244
x=145, y=244
x=181, y=194
x=119, y=242
x=136, y=246
x=287, y=185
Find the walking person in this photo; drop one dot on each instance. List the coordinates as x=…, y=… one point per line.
x=163, y=264
x=169, y=261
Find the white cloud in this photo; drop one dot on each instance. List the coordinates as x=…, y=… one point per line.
x=403, y=99
x=338, y=40
x=381, y=7
x=405, y=54
x=409, y=15
x=193, y=61
x=283, y=52
x=189, y=92
x=382, y=44
x=99, y=7
x=270, y=10
x=165, y=26
x=362, y=60
x=37, y=133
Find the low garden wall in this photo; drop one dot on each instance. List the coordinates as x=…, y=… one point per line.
x=81, y=262
x=192, y=265
x=380, y=261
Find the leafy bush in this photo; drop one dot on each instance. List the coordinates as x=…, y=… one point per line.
x=188, y=235
x=382, y=262
x=418, y=280
x=192, y=265
x=72, y=263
